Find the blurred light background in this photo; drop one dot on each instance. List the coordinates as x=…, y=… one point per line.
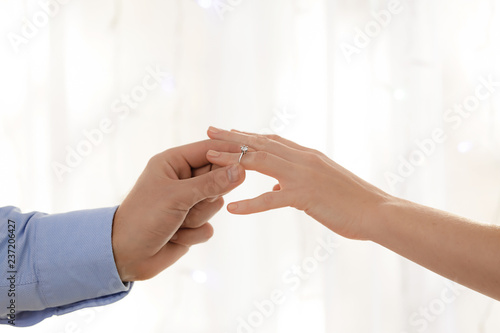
x=341, y=76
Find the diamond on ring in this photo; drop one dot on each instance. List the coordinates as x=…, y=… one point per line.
x=244, y=150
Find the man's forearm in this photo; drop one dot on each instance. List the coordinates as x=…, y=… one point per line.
x=452, y=246
x=60, y=263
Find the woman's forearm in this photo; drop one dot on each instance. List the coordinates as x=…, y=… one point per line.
x=454, y=247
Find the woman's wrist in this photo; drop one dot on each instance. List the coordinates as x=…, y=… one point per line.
x=377, y=219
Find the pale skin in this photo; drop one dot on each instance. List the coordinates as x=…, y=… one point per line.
x=169, y=207
x=464, y=251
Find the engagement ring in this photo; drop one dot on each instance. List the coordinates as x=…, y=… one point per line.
x=244, y=150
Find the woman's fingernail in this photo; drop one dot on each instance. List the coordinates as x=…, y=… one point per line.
x=174, y=237
x=232, y=206
x=233, y=174
x=214, y=129
x=213, y=153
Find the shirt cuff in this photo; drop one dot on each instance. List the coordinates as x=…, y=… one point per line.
x=75, y=262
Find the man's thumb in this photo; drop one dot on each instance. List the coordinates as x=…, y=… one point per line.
x=215, y=183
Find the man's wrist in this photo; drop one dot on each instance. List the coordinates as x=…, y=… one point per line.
x=115, y=244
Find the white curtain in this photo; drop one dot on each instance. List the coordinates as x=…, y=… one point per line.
x=388, y=89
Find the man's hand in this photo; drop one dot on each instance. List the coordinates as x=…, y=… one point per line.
x=168, y=209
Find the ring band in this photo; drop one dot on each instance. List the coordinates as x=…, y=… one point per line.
x=244, y=150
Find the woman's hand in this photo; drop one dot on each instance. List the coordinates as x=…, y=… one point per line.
x=308, y=181
x=459, y=249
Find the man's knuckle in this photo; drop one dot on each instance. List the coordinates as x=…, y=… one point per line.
x=194, y=223
x=174, y=203
x=212, y=184
x=154, y=160
x=208, y=233
x=176, y=210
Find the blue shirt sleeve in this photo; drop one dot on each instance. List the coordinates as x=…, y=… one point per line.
x=56, y=264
